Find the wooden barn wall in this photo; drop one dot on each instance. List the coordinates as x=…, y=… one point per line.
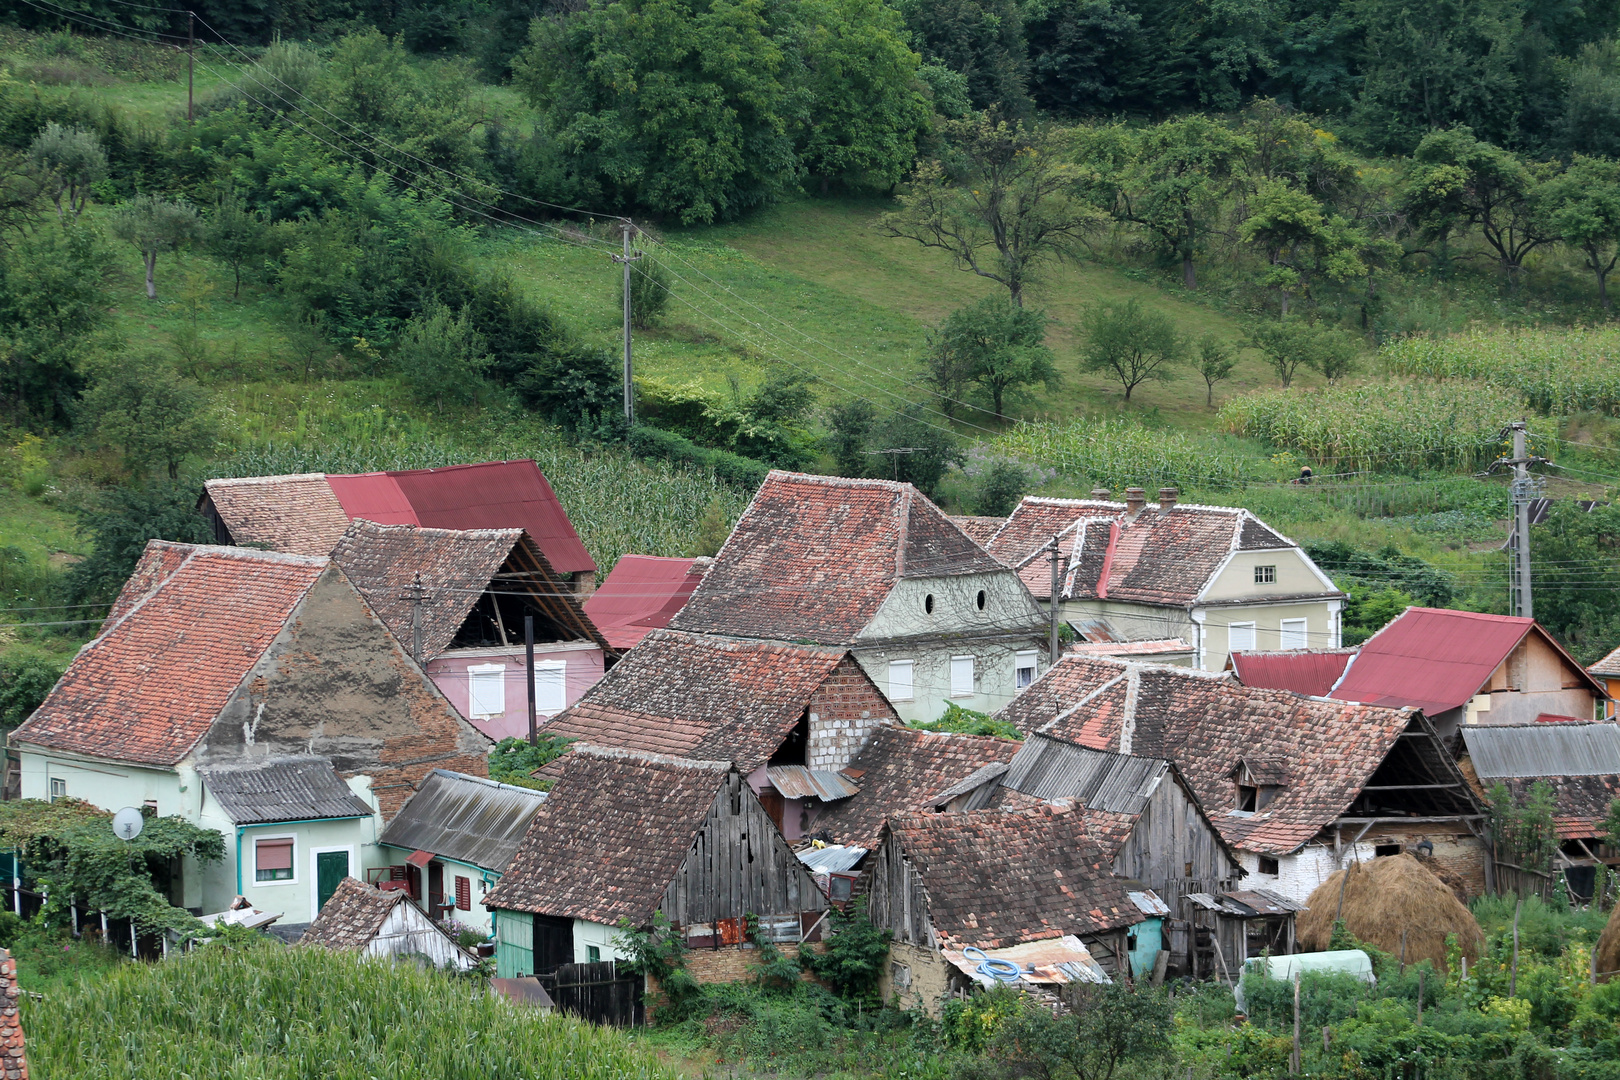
x=739, y=865
x=895, y=897
x=1170, y=835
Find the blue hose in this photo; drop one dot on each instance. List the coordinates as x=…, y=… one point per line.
x=1000, y=970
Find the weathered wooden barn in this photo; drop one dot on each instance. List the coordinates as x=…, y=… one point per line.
x=363, y=919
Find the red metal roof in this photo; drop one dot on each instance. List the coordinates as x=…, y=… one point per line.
x=641, y=594
x=1431, y=658
x=1305, y=671
x=487, y=495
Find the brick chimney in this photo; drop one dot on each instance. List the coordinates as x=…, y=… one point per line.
x=1101, y=494
x=1135, y=499
x=1167, y=498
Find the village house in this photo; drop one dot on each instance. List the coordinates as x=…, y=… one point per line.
x=791, y=716
x=1215, y=577
x=306, y=514
x=458, y=598
x=1297, y=786
x=362, y=919
x=216, y=658
x=1580, y=762
x=1607, y=672
x=624, y=836
x=1028, y=887
x=874, y=567
x=451, y=842
x=641, y=594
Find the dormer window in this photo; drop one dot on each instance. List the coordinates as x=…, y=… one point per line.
x=1258, y=783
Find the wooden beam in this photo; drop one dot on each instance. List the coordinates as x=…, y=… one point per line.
x=1409, y=787
x=1459, y=818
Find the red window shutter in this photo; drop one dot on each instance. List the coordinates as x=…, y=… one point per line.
x=274, y=854
x=464, y=893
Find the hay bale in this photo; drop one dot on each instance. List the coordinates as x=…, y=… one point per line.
x=1608, y=947
x=1385, y=897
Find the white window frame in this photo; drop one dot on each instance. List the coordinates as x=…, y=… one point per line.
x=1265, y=575
x=253, y=876
x=1232, y=629
x=1028, y=660
x=910, y=667
x=55, y=788
x=971, y=671
x=315, y=876
x=558, y=669
x=1289, y=628
x=478, y=673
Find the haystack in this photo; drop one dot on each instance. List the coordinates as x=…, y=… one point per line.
x=1385, y=898
x=1608, y=948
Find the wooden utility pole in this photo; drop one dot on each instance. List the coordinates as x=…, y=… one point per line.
x=629, y=375
x=528, y=658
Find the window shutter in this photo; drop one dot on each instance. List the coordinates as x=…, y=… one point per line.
x=1024, y=668
x=1240, y=637
x=961, y=676
x=486, y=690
x=550, y=686
x=463, y=893
x=1295, y=634
x=901, y=686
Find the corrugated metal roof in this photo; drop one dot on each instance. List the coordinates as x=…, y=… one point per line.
x=832, y=858
x=1312, y=672
x=799, y=782
x=1543, y=750
x=1265, y=901
x=1048, y=768
x=1148, y=903
x=282, y=789
x=466, y=818
x=641, y=594
x=977, y=778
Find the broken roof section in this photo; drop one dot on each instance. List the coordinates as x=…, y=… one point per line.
x=641, y=594
x=191, y=622
x=307, y=513
x=282, y=789
x=462, y=571
x=698, y=696
x=1313, y=672
x=814, y=557
x=467, y=818
x=1436, y=659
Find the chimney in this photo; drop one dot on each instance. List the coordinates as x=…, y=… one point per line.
x=1135, y=499
x=1167, y=498
x=1101, y=494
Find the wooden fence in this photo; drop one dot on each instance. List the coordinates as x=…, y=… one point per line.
x=601, y=993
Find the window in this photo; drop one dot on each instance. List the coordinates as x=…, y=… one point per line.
x=928, y=604
x=463, y=893
x=1265, y=575
x=486, y=690
x=593, y=954
x=1380, y=850
x=58, y=788
x=961, y=676
x=1240, y=637
x=550, y=686
x=1294, y=634
x=981, y=599
x=273, y=859
x=1268, y=865
x=1024, y=669
x=901, y=687
x=1248, y=798
x=840, y=887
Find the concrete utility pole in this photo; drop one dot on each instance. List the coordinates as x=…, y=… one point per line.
x=191, y=44
x=1525, y=488
x=528, y=657
x=1056, y=605
x=626, y=259
x=416, y=593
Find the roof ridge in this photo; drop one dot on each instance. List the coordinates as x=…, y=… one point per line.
x=224, y=481
x=617, y=754
x=903, y=534
x=477, y=534
x=839, y=481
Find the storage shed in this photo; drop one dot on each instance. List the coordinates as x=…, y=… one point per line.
x=374, y=922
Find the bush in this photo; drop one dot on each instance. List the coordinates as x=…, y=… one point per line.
x=659, y=445
x=513, y=761
x=855, y=955
x=26, y=677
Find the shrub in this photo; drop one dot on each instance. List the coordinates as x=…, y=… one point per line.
x=513, y=761
x=650, y=442
x=854, y=957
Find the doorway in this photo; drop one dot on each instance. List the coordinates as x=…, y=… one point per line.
x=331, y=867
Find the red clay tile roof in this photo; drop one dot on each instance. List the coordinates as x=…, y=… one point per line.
x=814, y=557
x=697, y=696
x=308, y=513
x=1435, y=659
x=353, y=915
x=641, y=594
x=981, y=529
x=1150, y=648
x=612, y=833
x=1312, y=672
x=1000, y=877
x=150, y=685
x=1207, y=724
x=1608, y=667
x=901, y=769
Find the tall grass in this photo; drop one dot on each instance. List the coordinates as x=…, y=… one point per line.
x=271, y=1013
x=1556, y=371
x=1117, y=453
x=1403, y=427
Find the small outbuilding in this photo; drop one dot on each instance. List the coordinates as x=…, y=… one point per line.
x=360, y=918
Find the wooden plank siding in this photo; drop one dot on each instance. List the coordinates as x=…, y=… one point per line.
x=1173, y=849
x=739, y=865
x=896, y=899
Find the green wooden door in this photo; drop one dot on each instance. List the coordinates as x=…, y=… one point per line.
x=331, y=867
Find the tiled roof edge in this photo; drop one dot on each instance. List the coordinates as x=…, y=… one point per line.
x=228, y=481
x=616, y=754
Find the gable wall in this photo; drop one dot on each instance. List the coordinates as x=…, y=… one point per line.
x=1294, y=576
x=895, y=899
x=1534, y=679
x=844, y=712
x=1170, y=835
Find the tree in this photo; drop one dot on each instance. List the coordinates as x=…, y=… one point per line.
x=1130, y=344
x=1002, y=485
x=850, y=425
x=1456, y=181
x=236, y=236
x=1302, y=240
x=154, y=226
x=20, y=188
x=1583, y=205
x=1105, y=1026
x=26, y=677
x=574, y=386
x=1591, y=120
x=1289, y=346
x=1333, y=353
x=934, y=449
x=442, y=355
x=982, y=40
x=71, y=160
x=53, y=310
x=1216, y=360
x=1567, y=546
x=997, y=346
x=1004, y=210
x=140, y=404
x=120, y=522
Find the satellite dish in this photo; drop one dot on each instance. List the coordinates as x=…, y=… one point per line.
x=127, y=823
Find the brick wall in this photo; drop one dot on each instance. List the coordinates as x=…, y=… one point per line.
x=844, y=711
x=727, y=964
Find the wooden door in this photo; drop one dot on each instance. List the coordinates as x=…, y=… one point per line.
x=331, y=867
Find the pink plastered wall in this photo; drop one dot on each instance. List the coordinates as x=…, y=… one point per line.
x=449, y=674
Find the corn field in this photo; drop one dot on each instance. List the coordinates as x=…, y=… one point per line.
x=1556, y=371
x=1116, y=453
x=272, y=1013
x=1385, y=427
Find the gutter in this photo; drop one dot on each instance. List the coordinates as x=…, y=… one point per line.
x=265, y=824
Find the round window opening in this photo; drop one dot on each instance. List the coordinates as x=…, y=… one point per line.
x=928, y=603
x=981, y=599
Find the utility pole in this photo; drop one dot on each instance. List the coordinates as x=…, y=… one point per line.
x=415, y=593
x=191, y=42
x=528, y=657
x=1525, y=489
x=1056, y=605
x=893, y=453
x=626, y=259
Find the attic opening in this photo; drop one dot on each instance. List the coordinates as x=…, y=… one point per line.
x=1415, y=779
x=1258, y=782
x=1253, y=797
x=496, y=620
x=1381, y=850
x=981, y=600
x=792, y=750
